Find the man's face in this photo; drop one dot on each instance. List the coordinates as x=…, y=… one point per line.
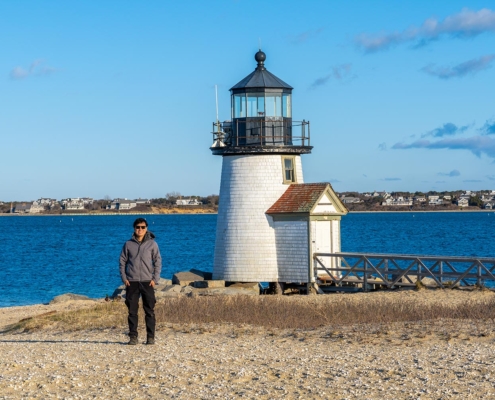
x=140, y=230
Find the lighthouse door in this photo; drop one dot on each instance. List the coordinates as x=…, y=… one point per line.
x=323, y=242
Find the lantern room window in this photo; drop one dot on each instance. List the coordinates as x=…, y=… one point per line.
x=273, y=104
x=286, y=106
x=240, y=106
x=255, y=104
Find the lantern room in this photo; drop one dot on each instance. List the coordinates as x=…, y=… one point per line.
x=261, y=115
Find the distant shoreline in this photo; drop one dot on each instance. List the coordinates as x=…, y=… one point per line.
x=421, y=211
x=215, y=213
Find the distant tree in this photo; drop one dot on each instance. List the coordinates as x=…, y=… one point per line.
x=172, y=197
x=475, y=201
x=211, y=200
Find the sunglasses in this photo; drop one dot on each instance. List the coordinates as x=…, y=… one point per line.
x=140, y=227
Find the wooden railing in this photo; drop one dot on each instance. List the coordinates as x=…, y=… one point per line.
x=368, y=270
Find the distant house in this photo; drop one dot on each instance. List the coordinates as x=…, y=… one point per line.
x=142, y=201
x=122, y=204
x=22, y=208
x=45, y=201
x=350, y=200
x=28, y=208
x=434, y=201
x=419, y=199
x=398, y=201
x=488, y=206
x=463, y=202
x=187, y=202
x=36, y=208
x=73, y=204
x=126, y=204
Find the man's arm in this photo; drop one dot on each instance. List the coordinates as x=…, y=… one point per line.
x=157, y=264
x=122, y=264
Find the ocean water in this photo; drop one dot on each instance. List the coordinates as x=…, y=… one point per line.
x=44, y=256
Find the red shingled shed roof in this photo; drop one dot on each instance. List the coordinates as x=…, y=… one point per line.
x=299, y=198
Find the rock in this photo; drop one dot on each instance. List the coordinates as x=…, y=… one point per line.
x=172, y=289
x=170, y=293
x=209, y=284
x=68, y=297
x=162, y=283
x=186, y=278
x=119, y=292
x=246, y=286
x=207, y=276
x=187, y=289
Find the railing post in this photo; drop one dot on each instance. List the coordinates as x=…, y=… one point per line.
x=309, y=135
x=440, y=268
x=478, y=275
x=237, y=132
x=419, y=272
x=365, y=278
x=303, y=129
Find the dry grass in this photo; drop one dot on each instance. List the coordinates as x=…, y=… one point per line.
x=281, y=312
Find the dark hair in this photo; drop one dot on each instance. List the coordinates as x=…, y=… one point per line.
x=138, y=221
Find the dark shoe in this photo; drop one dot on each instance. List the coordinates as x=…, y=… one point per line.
x=150, y=340
x=133, y=341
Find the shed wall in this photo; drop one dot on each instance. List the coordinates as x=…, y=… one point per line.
x=291, y=239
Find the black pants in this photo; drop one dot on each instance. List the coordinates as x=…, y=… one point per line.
x=147, y=293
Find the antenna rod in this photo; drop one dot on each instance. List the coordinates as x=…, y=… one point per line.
x=259, y=42
x=216, y=101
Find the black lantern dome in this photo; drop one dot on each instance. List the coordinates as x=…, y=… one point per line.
x=261, y=111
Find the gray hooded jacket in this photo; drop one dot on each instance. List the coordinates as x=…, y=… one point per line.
x=141, y=261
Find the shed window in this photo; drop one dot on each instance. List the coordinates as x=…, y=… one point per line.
x=289, y=169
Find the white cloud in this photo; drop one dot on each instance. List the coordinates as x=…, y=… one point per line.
x=37, y=68
x=467, y=23
x=18, y=73
x=469, y=67
x=339, y=72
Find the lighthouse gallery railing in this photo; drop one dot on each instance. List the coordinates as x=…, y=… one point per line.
x=394, y=270
x=264, y=131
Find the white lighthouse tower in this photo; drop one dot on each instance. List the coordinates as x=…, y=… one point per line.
x=261, y=148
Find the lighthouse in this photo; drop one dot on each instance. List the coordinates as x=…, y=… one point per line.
x=260, y=237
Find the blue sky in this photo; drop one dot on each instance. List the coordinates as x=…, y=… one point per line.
x=117, y=98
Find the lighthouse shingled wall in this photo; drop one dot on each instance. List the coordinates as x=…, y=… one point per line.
x=245, y=248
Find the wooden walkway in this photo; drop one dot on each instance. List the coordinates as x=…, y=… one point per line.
x=368, y=271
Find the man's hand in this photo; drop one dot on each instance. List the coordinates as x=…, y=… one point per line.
x=127, y=283
x=152, y=284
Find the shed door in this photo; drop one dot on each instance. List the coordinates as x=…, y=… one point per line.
x=323, y=242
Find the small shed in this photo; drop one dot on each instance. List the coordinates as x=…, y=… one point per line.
x=306, y=220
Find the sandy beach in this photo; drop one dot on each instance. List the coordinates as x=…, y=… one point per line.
x=430, y=360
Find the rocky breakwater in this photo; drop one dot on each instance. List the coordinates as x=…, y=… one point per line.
x=196, y=283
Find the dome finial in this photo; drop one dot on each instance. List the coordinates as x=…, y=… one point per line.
x=260, y=58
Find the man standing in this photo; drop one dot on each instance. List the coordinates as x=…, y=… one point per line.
x=140, y=267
